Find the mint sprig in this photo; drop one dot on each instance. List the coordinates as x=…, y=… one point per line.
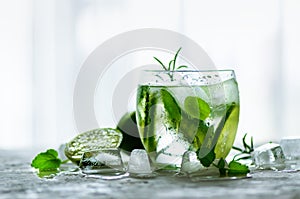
x=172, y=65
x=47, y=161
x=234, y=168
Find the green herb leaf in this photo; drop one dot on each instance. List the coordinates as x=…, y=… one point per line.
x=180, y=67
x=237, y=148
x=248, y=149
x=208, y=159
x=246, y=146
x=175, y=57
x=172, y=65
x=221, y=166
x=46, y=161
x=193, y=129
x=171, y=107
x=236, y=168
x=160, y=63
x=246, y=157
x=196, y=107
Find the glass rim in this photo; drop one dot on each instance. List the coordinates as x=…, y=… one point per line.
x=199, y=71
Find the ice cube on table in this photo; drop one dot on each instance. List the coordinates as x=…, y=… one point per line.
x=139, y=164
x=269, y=156
x=103, y=161
x=190, y=163
x=291, y=150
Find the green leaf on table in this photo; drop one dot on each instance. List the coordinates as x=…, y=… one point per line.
x=235, y=168
x=47, y=161
x=196, y=107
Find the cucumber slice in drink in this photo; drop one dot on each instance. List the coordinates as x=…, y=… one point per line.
x=228, y=132
x=222, y=138
x=147, y=105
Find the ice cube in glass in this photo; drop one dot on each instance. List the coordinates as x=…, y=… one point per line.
x=190, y=163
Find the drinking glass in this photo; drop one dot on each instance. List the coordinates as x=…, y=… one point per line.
x=179, y=111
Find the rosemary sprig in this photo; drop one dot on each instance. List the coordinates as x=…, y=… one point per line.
x=172, y=65
x=246, y=152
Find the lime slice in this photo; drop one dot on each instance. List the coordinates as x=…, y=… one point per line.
x=92, y=140
x=228, y=132
x=131, y=138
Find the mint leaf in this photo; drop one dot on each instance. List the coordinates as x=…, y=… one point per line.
x=196, y=107
x=208, y=159
x=221, y=166
x=46, y=161
x=236, y=168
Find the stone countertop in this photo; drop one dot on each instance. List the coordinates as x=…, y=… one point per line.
x=19, y=180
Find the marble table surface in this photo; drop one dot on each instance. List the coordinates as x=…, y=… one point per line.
x=19, y=180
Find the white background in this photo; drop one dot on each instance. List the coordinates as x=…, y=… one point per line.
x=43, y=44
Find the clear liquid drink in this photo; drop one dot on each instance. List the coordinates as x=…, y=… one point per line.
x=179, y=111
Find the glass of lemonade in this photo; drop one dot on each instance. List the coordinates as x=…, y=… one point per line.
x=179, y=111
